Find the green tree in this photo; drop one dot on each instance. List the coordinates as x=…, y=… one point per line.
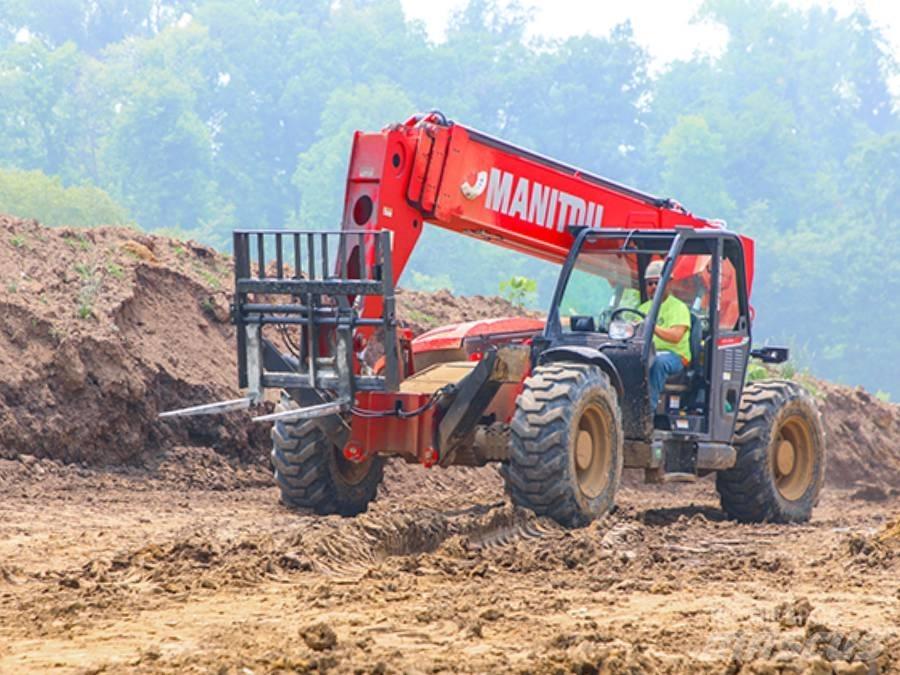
x=33, y=194
x=695, y=159
x=322, y=169
x=36, y=131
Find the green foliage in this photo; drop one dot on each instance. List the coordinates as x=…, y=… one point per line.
x=32, y=194
x=201, y=115
x=695, y=166
x=756, y=372
x=519, y=290
x=114, y=270
x=883, y=396
x=422, y=318
x=427, y=282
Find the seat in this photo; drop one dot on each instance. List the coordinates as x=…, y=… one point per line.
x=687, y=380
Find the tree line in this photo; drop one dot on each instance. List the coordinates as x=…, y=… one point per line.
x=198, y=116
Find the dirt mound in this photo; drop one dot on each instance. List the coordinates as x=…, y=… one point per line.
x=104, y=328
x=863, y=437
x=422, y=311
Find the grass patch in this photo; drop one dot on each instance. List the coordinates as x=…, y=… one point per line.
x=12, y=287
x=114, y=270
x=208, y=277
x=422, y=317
x=90, y=289
x=77, y=243
x=17, y=240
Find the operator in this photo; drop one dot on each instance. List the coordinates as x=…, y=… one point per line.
x=671, y=335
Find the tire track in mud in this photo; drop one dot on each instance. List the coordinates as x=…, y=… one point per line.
x=354, y=547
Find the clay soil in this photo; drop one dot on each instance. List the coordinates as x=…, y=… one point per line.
x=133, y=545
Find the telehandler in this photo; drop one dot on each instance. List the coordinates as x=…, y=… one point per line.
x=563, y=404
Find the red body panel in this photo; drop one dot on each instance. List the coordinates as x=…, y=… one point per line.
x=454, y=336
x=409, y=437
x=465, y=181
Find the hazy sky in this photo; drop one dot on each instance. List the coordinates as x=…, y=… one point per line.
x=663, y=26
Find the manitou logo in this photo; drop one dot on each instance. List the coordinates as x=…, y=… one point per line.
x=532, y=202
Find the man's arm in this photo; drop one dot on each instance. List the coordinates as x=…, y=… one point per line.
x=671, y=334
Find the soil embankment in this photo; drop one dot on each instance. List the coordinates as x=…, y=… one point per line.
x=133, y=545
x=104, y=328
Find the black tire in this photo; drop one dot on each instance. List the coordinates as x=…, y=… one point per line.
x=549, y=470
x=780, y=447
x=312, y=473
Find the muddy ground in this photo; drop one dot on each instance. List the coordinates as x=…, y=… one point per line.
x=194, y=567
x=132, y=545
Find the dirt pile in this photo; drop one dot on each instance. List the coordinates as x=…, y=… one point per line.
x=863, y=436
x=422, y=311
x=104, y=328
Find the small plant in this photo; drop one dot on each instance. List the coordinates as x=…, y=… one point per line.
x=180, y=252
x=211, y=280
x=114, y=270
x=883, y=396
x=12, y=287
x=789, y=371
x=422, y=318
x=78, y=242
x=18, y=241
x=90, y=289
x=757, y=372
x=208, y=306
x=519, y=290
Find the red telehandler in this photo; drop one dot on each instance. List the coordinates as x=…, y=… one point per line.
x=563, y=404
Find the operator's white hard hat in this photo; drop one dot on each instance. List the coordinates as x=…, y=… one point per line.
x=654, y=270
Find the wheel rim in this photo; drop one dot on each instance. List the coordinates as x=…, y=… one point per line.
x=793, y=458
x=593, y=454
x=351, y=473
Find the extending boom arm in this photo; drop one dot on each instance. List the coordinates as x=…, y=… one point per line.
x=429, y=169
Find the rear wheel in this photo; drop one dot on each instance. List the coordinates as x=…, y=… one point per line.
x=313, y=474
x=566, y=444
x=780, y=464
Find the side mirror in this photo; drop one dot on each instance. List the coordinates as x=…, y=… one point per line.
x=771, y=354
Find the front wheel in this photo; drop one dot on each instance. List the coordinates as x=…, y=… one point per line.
x=780, y=464
x=313, y=474
x=566, y=444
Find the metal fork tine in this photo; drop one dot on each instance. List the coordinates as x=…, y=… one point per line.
x=342, y=255
x=279, y=257
x=260, y=256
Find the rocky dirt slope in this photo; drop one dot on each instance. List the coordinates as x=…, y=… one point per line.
x=130, y=545
x=104, y=328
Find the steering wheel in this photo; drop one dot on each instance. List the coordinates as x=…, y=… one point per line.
x=623, y=310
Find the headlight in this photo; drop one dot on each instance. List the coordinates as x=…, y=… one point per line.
x=621, y=330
